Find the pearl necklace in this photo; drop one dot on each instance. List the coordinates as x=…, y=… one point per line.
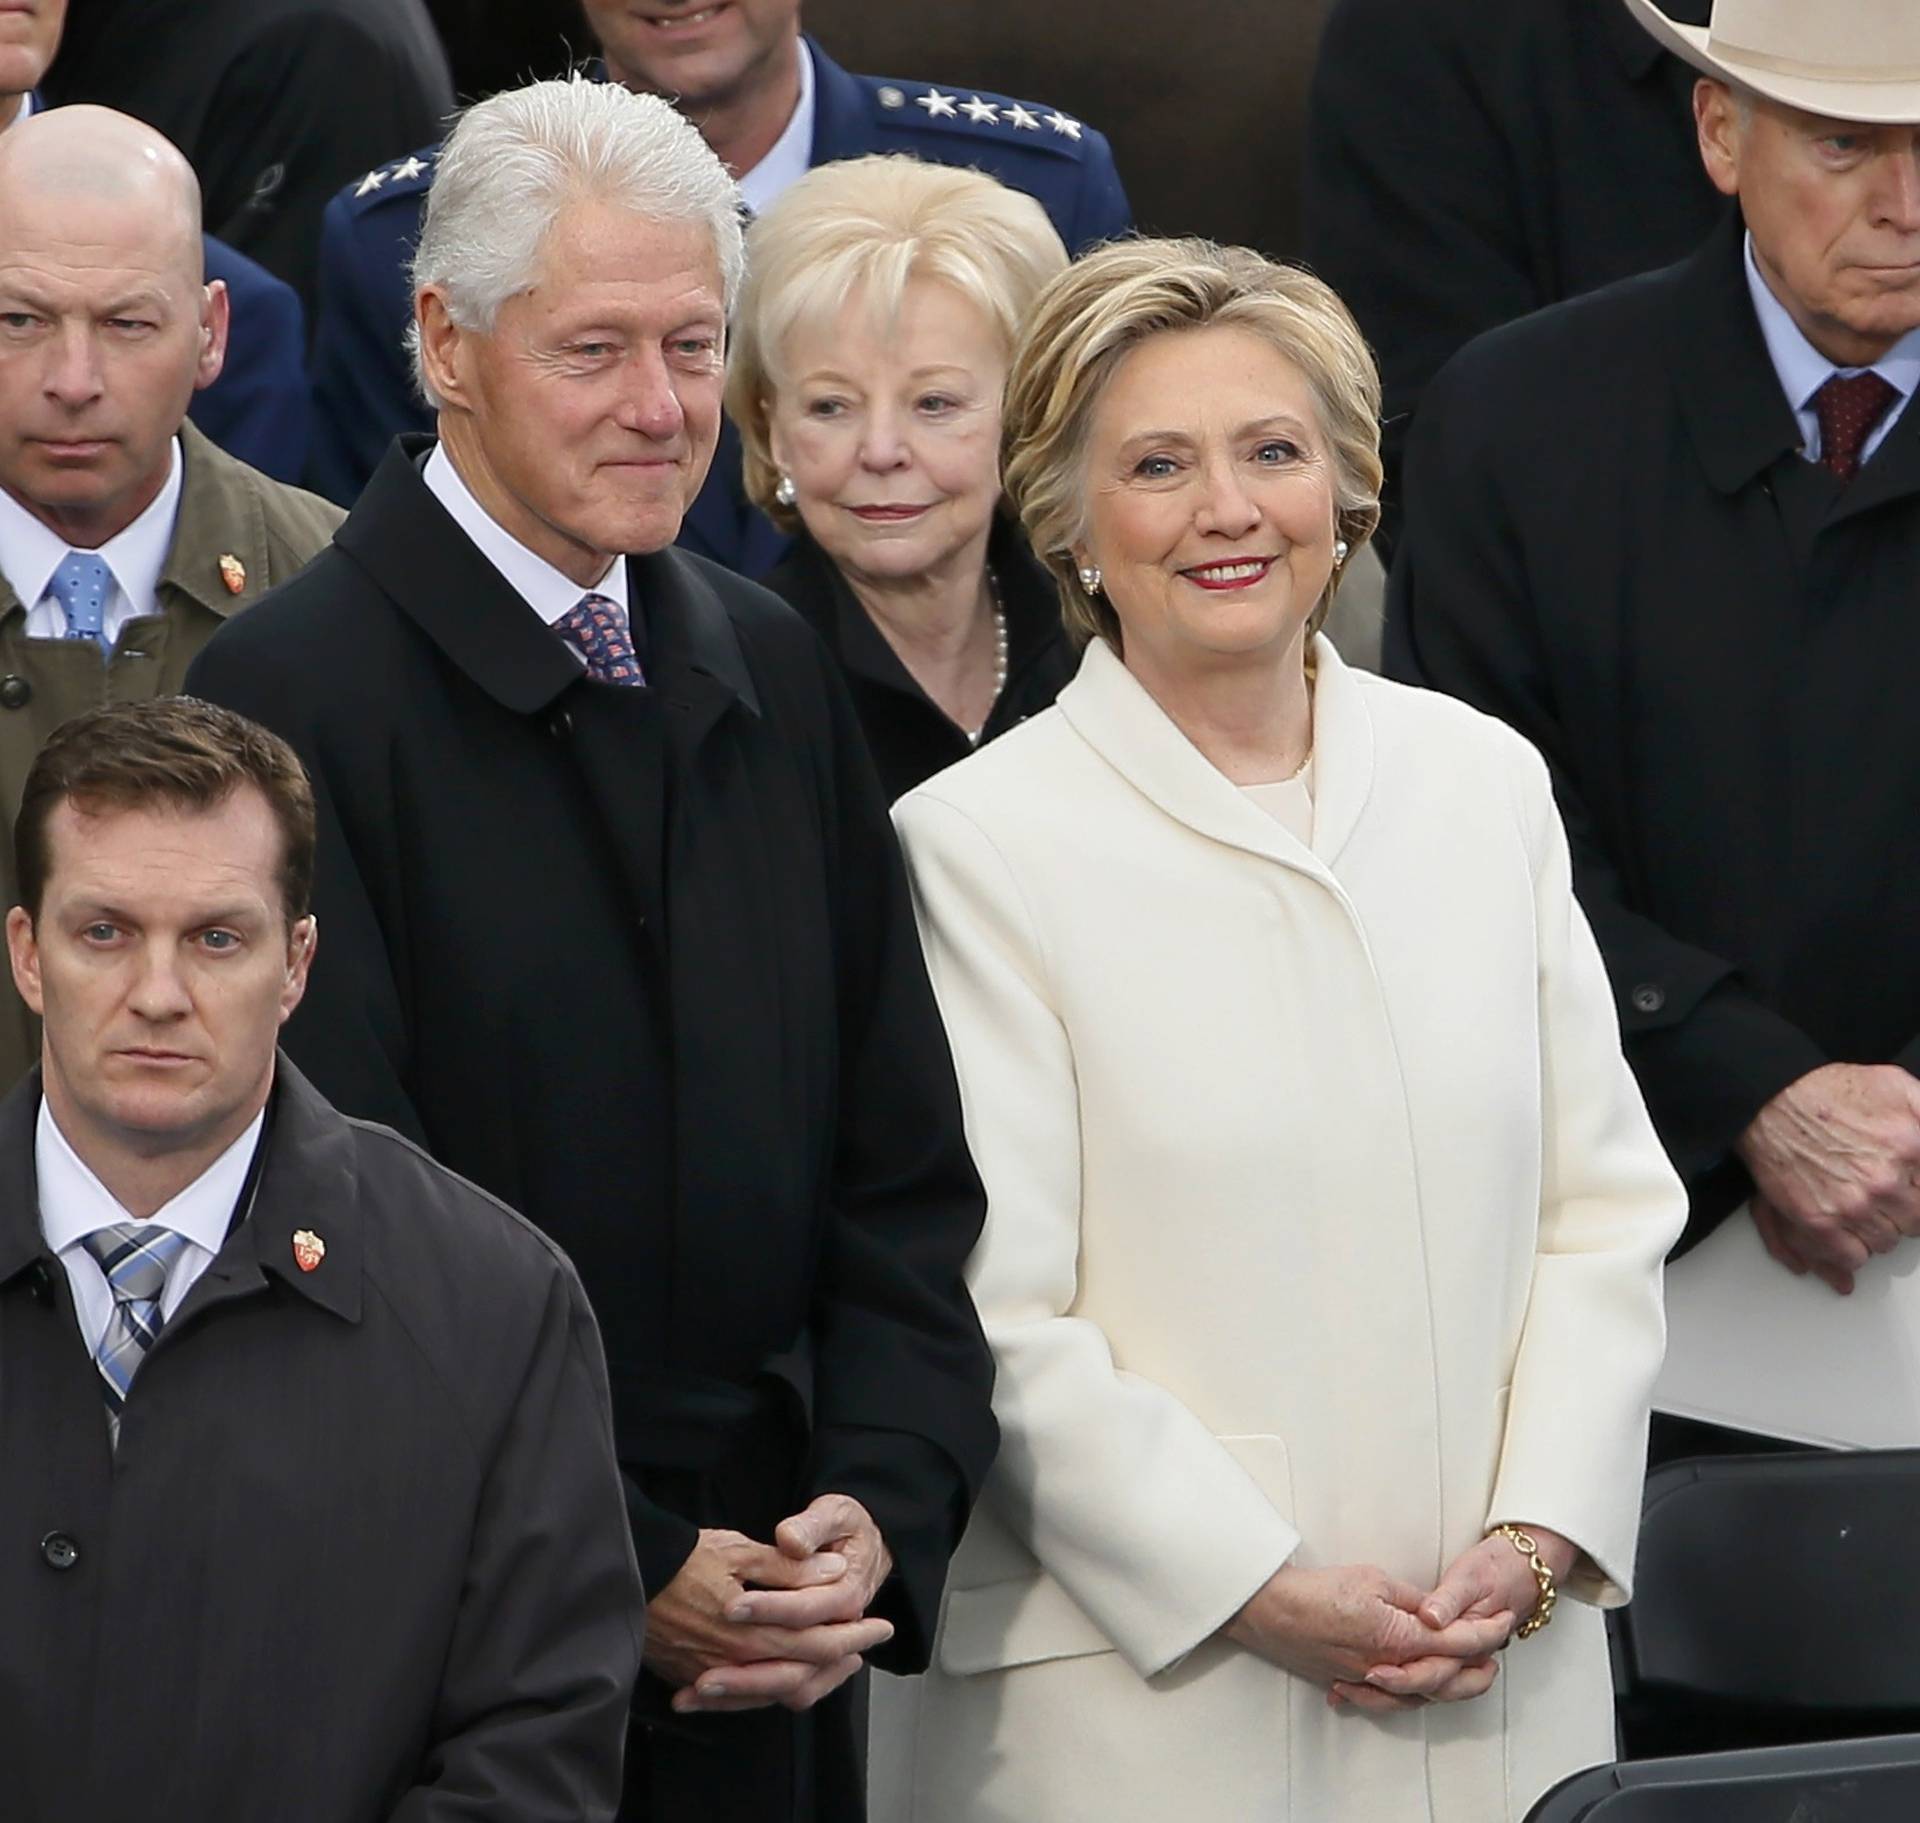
x=999, y=654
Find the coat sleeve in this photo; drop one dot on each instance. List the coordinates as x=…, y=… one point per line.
x=363, y=393
x=1426, y=250
x=531, y=1721
x=1610, y=1207
x=1120, y=1492
x=903, y=1379
x=1464, y=615
x=350, y=1034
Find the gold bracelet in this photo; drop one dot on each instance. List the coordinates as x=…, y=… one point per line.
x=1524, y=1543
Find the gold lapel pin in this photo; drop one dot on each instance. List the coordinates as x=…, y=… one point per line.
x=308, y=1249
x=232, y=572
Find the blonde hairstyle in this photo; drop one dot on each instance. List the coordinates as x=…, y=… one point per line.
x=1101, y=309
x=870, y=225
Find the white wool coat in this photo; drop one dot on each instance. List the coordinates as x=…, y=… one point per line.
x=1325, y=1225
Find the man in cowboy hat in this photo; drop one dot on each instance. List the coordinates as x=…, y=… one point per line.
x=1671, y=531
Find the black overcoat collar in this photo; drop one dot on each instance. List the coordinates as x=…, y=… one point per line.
x=308, y=1180
x=1736, y=414
x=411, y=547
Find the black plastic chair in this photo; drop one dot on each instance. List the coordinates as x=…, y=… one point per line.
x=1869, y=1781
x=1774, y=1602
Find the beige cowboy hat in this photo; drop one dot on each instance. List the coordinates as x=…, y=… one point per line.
x=1854, y=60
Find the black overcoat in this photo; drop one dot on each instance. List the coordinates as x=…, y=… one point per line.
x=1469, y=161
x=643, y=963
x=1614, y=544
x=361, y=1554
x=908, y=734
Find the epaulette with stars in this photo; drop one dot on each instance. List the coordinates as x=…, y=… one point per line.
x=967, y=112
x=397, y=177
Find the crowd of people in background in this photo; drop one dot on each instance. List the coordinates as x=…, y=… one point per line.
x=761, y=1072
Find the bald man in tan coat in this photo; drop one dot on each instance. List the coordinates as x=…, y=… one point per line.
x=126, y=538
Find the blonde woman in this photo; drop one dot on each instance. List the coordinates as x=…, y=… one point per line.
x=870, y=354
x=1322, y=1266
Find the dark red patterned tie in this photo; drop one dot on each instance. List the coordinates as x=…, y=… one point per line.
x=597, y=630
x=1848, y=408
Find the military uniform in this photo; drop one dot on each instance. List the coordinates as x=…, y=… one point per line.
x=233, y=527
x=258, y=409
x=362, y=384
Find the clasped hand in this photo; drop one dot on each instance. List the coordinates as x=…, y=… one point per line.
x=1379, y=1644
x=745, y=1625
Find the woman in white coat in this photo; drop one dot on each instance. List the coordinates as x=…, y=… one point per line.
x=1326, y=1223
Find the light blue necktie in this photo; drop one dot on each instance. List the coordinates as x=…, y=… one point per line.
x=81, y=585
x=136, y=1261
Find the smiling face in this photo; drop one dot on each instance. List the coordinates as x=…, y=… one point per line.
x=891, y=433
x=162, y=964
x=105, y=333
x=698, y=53
x=1210, y=503
x=585, y=419
x=1834, y=210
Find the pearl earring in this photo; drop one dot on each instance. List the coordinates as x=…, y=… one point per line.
x=786, y=493
x=1090, y=578
x=1340, y=548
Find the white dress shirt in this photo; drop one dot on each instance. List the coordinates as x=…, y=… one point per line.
x=1803, y=369
x=547, y=591
x=791, y=155
x=74, y=1204
x=30, y=553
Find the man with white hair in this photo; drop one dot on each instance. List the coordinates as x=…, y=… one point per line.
x=1671, y=532
x=618, y=928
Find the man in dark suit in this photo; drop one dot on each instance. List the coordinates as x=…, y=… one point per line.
x=306, y=1464
x=771, y=103
x=620, y=931
x=1671, y=532
x=1469, y=161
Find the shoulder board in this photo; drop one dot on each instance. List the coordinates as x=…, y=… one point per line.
x=407, y=176
x=933, y=107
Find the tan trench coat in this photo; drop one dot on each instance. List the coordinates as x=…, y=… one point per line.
x=1325, y=1222
x=226, y=510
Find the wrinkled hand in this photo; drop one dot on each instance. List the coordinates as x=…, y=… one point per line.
x=1340, y=1625
x=1835, y=1159
x=723, y=1663
x=850, y=1560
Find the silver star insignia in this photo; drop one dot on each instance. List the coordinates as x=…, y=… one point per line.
x=1020, y=117
x=407, y=168
x=370, y=183
x=936, y=104
x=982, y=111
x=1061, y=124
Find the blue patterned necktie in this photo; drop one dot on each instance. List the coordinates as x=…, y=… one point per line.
x=597, y=630
x=136, y=1261
x=81, y=585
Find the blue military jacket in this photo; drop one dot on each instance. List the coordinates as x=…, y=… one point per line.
x=363, y=388
x=257, y=410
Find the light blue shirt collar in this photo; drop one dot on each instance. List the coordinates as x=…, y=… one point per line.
x=1803, y=369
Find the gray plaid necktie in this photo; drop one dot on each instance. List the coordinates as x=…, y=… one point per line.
x=136, y=1261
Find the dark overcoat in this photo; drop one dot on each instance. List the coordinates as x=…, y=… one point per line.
x=909, y=735
x=360, y=1556
x=1614, y=544
x=642, y=962
x=1469, y=161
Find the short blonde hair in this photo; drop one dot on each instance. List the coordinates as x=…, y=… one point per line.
x=871, y=225
x=1101, y=309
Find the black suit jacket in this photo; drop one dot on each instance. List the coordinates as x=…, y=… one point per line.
x=643, y=962
x=909, y=735
x=1469, y=161
x=361, y=1554
x=1614, y=544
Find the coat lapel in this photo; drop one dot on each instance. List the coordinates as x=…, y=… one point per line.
x=219, y=516
x=1112, y=712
